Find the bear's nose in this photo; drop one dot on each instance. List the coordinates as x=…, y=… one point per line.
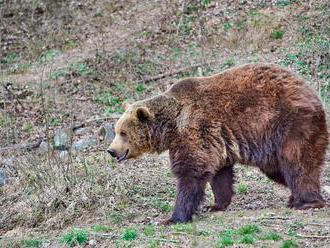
x=112, y=153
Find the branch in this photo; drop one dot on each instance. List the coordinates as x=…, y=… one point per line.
x=86, y=123
x=26, y=146
x=171, y=73
x=313, y=236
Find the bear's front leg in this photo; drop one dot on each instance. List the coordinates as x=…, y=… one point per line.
x=189, y=197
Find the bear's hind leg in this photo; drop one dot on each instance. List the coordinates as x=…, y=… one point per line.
x=302, y=176
x=222, y=187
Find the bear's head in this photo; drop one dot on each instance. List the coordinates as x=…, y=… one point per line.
x=132, y=133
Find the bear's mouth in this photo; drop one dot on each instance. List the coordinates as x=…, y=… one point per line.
x=123, y=157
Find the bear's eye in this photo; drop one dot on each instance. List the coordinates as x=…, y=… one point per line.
x=123, y=134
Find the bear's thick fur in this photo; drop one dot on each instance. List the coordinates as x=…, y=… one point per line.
x=256, y=114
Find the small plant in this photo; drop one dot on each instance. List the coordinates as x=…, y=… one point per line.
x=271, y=236
x=149, y=230
x=187, y=228
x=163, y=206
x=224, y=241
x=205, y=3
x=31, y=242
x=242, y=188
x=249, y=229
x=81, y=69
x=9, y=59
x=27, y=127
x=54, y=121
x=74, y=237
x=227, y=25
x=54, y=75
x=49, y=55
x=130, y=234
x=101, y=228
x=140, y=88
x=247, y=239
x=277, y=34
x=289, y=244
x=229, y=62
x=116, y=217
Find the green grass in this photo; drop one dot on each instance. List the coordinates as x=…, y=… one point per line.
x=271, y=236
x=140, y=88
x=242, y=188
x=130, y=234
x=289, y=244
x=27, y=127
x=9, y=59
x=249, y=229
x=112, y=102
x=247, y=239
x=49, y=55
x=277, y=34
x=101, y=228
x=186, y=228
x=31, y=242
x=149, y=230
x=74, y=237
x=161, y=205
x=224, y=241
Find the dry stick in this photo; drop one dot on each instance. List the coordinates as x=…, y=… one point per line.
x=171, y=73
x=27, y=146
x=313, y=236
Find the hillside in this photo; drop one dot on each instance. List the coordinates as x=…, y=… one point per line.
x=67, y=67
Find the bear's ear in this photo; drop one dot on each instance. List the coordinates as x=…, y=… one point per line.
x=143, y=114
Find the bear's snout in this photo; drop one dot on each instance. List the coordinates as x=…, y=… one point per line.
x=112, y=153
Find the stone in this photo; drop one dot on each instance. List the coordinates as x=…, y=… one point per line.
x=3, y=178
x=327, y=189
x=63, y=139
x=84, y=143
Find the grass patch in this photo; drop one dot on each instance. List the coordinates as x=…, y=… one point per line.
x=31, y=242
x=277, y=34
x=74, y=237
x=149, y=230
x=130, y=234
x=242, y=188
x=289, y=244
x=101, y=228
x=249, y=229
x=112, y=102
x=224, y=241
x=186, y=228
x=9, y=59
x=247, y=239
x=49, y=55
x=161, y=205
x=271, y=236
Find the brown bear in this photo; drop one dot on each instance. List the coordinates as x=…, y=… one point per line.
x=256, y=114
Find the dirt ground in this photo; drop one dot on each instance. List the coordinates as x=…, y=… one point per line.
x=71, y=64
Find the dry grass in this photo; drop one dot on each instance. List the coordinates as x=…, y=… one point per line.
x=73, y=61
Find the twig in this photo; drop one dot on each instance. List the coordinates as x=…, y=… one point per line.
x=171, y=73
x=105, y=235
x=313, y=236
x=27, y=146
x=84, y=124
x=163, y=240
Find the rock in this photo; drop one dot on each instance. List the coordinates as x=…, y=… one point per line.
x=64, y=156
x=92, y=242
x=327, y=189
x=3, y=178
x=63, y=139
x=84, y=143
x=43, y=146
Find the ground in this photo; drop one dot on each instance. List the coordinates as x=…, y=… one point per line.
x=67, y=63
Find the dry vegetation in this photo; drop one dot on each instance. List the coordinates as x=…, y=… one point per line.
x=64, y=63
